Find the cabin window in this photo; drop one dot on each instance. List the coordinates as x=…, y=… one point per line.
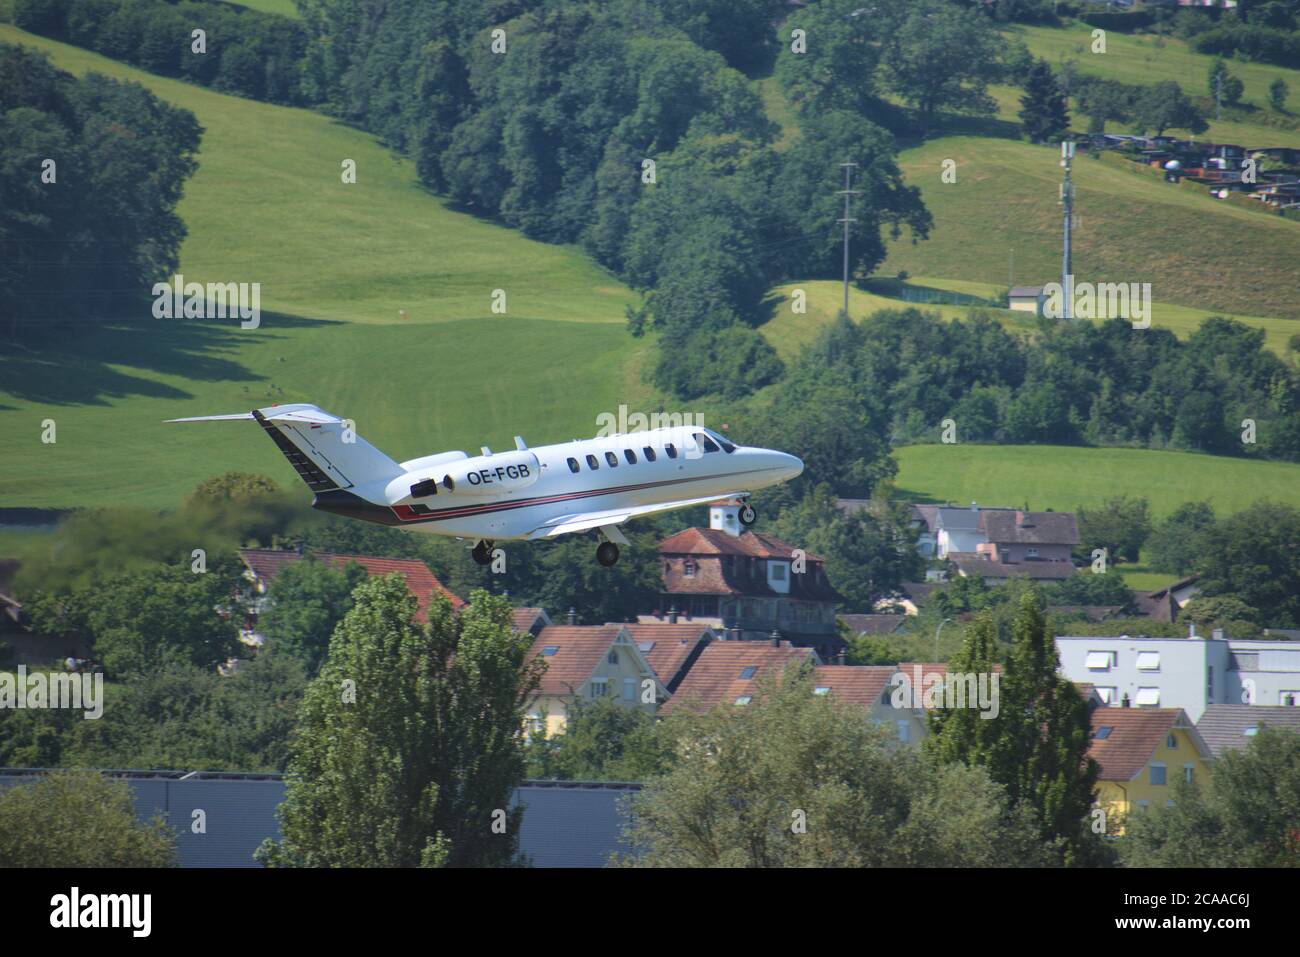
x=574, y=467
x=592, y=463
x=630, y=456
x=612, y=459
x=671, y=450
x=649, y=453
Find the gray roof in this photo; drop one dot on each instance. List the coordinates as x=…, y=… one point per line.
x=873, y=624
x=959, y=519
x=973, y=567
x=1025, y=292
x=1225, y=726
x=1030, y=528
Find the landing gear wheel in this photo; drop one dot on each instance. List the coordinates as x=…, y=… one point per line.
x=482, y=553
x=747, y=515
x=607, y=553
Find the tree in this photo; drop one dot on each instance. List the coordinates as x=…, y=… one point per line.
x=79, y=819
x=1037, y=745
x=1120, y=525
x=602, y=741
x=1044, y=113
x=795, y=779
x=1254, y=556
x=1175, y=542
x=838, y=69
x=410, y=744
x=964, y=41
x=1223, y=85
x=1278, y=91
x=1244, y=816
x=307, y=600
x=1165, y=106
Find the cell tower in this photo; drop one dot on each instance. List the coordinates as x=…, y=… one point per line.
x=1067, y=206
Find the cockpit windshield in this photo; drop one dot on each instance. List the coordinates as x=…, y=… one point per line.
x=727, y=446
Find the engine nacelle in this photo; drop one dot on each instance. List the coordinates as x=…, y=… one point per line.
x=480, y=475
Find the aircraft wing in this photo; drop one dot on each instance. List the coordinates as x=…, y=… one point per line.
x=581, y=521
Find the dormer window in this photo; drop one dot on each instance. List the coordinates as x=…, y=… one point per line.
x=688, y=568
x=778, y=571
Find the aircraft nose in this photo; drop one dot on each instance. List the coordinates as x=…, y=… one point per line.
x=790, y=465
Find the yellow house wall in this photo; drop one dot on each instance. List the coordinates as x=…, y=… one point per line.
x=1122, y=797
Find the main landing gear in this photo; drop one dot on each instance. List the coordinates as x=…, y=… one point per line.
x=482, y=552
x=747, y=515
x=607, y=553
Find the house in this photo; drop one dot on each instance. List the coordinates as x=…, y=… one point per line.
x=670, y=648
x=530, y=621
x=1164, y=604
x=913, y=596
x=869, y=625
x=1186, y=674
x=1018, y=537
x=979, y=565
x=1026, y=299
x=748, y=584
x=589, y=662
x=958, y=530
x=1142, y=753
x=263, y=564
x=726, y=672
x=1227, y=727
x=870, y=687
x=923, y=521
x=1189, y=673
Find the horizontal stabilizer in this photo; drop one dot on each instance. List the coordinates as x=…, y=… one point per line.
x=213, y=418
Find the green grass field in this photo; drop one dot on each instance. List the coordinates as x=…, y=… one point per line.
x=336, y=263
x=285, y=8
x=1063, y=478
x=1002, y=216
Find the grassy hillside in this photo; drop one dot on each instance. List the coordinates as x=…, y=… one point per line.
x=336, y=264
x=1195, y=251
x=1063, y=478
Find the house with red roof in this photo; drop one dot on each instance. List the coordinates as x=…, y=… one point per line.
x=727, y=672
x=263, y=564
x=748, y=584
x=1143, y=753
x=589, y=663
x=871, y=687
x=671, y=648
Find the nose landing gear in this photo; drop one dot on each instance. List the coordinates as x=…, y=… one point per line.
x=747, y=515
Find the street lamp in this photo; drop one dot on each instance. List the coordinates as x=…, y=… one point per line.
x=936, y=637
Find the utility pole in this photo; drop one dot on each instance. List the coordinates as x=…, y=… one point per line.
x=848, y=194
x=1218, y=95
x=1067, y=202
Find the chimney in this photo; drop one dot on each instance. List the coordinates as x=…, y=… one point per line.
x=733, y=633
x=672, y=614
x=1124, y=702
x=1217, y=634
x=725, y=516
x=776, y=638
x=1191, y=629
x=572, y=616
x=840, y=657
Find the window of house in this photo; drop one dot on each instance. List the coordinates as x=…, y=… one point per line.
x=612, y=459
x=1158, y=773
x=599, y=687
x=1289, y=699
x=671, y=450
x=821, y=689
x=630, y=456
x=902, y=731
x=1143, y=805
x=778, y=571
x=1031, y=553
x=1148, y=661
x=629, y=689
x=612, y=658
x=592, y=463
x=744, y=699
x=1148, y=698
x=1103, y=732
x=649, y=453
x=574, y=466
x=748, y=672
x=688, y=568
x=1171, y=742
x=1100, y=660
x=550, y=650
x=1107, y=695
x=1189, y=771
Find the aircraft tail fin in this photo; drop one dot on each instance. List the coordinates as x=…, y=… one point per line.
x=323, y=449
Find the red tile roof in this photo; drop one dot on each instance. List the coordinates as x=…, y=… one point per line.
x=715, y=676
x=265, y=563
x=714, y=541
x=718, y=570
x=857, y=684
x=526, y=618
x=1134, y=736
x=578, y=650
x=667, y=647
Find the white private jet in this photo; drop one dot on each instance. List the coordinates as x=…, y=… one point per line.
x=523, y=494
